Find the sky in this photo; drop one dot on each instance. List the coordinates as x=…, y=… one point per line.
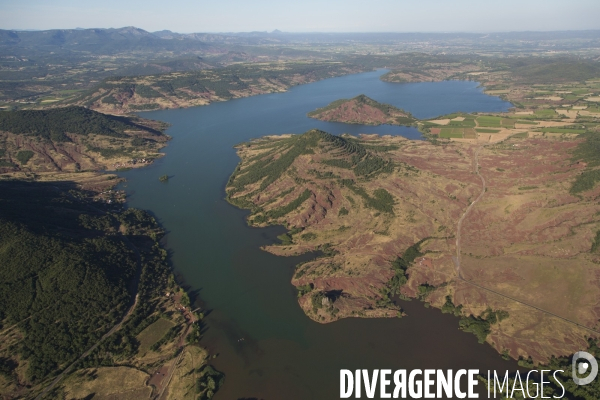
x=187, y=16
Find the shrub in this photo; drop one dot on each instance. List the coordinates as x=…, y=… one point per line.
x=24, y=156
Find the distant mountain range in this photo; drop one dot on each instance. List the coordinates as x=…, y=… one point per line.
x=127, y=38
x=132, y=38
x=92, y=40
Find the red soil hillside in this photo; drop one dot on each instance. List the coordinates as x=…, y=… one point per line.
x=385, y=212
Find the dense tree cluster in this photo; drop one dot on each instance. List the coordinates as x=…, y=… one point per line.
x=363, y=163
x=56, y=123
x=563, y=387
x=67, y=275
x=24, y=156
x=208, y=382
x=381, y=200
x=291, y=206
x=589, y=152
x=268, y=168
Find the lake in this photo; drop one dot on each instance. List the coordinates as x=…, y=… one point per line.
x=284, y=354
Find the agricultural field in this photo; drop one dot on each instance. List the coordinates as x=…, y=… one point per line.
x=562, y=130
x=486, y=130
x=451, y=133
x=537, y=113
x=489, y=121
x=153, y=334
x=470, y=133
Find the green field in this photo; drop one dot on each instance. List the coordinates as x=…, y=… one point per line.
x=70, y=91
x=484, y=130
x=545, y=112
x=467, y=123
x=153, y=334
x=562, y=130
x=451, y=133
x=508, y=123
x=490, y=121
x=520, y=135
x=580, y=91
x=470, y=133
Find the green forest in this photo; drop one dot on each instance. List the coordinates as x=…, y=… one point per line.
x=66, y=273
x=589, y=152
x=55, y=124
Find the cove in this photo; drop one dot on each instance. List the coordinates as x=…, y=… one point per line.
x=283, y=354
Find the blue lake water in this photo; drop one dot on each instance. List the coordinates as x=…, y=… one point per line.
x=285, y=355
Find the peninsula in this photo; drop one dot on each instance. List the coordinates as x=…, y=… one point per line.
x=392, y=215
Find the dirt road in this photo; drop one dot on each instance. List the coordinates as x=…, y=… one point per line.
x=462, y=218
x=456, y=258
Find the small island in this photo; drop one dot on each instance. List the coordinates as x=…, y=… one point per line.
x=362, y=110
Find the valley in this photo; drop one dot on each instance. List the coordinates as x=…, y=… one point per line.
x=487, y=213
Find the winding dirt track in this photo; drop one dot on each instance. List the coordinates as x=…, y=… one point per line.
x=456, y=258
x=173, y=366
x=462, y=218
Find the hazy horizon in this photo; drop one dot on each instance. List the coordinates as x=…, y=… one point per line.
x=311, y=16
x=299, y=32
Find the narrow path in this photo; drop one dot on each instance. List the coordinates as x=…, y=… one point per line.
x=462, y=218
x=15, y=325
x=88, y=352
x=169, y=377
x=173, y=367
x=456, y=258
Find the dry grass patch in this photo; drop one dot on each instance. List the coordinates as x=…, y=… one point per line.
x=440, y=121
x=183, y=383
x=551, y=98
x=562, y=286
x=153, y=334
x=122, y=383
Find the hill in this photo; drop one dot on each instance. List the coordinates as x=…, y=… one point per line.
x=362, y=110
x=76, y=277
x=98, y=41
x=82, y=280
x=75, y=139
x=59, y=263
x=120, y=95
